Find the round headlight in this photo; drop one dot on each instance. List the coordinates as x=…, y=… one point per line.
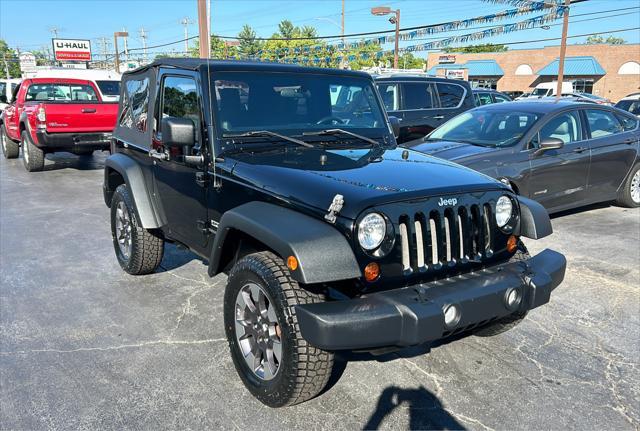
x=371, y=231
x=504, y=209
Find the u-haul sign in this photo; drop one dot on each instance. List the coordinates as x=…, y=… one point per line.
x=72, y=49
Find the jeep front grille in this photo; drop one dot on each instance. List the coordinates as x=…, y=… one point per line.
x=445, y=237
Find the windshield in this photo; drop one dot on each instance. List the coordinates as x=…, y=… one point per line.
x=540, y=92
x=293, y=103
x=487, y=128
x=109, y=88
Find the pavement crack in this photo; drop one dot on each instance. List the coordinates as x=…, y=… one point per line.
x=118, y=347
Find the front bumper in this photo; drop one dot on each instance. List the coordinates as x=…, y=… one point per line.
x=415, y=315
x=73, y=141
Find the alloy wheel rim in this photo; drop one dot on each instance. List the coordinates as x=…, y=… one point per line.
x=258, y=332
x=635, y=187
x=123, y=229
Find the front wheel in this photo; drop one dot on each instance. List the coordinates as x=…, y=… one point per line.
x=274, y=362
x=629, y=194
x=139, y=250
x=32, y=156
x=10, y=149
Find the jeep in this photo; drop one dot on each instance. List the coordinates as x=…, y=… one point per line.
x=289, y=180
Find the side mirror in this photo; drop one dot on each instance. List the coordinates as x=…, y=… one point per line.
x=395, y=125
x=549, y=144
x=178, y=132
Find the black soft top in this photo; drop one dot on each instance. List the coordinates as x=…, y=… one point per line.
x=202, y=65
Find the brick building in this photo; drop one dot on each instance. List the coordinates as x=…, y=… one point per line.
x=610, y=71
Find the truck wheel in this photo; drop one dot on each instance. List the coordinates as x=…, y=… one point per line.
x=629, y=194
x=139, y=251
x=274, y=362
x=32, y=156
x=10, y=149
x=513, y=320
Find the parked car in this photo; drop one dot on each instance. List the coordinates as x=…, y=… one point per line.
x=522, y=96
x=6, y=91
x=52, y=115
x=484, y=96
x=287, y=178
x=630, y=103
x=106, y=81
x=421, y=102
x=546, y=89
x=562, y=154
x=587, y=98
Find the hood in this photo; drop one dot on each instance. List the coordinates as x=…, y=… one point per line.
x=449, y=150
x=364, y=177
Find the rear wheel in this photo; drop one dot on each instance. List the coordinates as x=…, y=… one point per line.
x=10, y=149
x=139, y=250
x=275, y=363
x=629, y=194
x=32, y=156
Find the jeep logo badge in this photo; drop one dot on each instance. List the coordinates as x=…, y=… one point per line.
x=447, y=202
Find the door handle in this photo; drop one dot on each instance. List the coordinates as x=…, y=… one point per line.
x=158, y=155
x=88, y=110
x=579, y=150
x=438, y=117
x=629, y=141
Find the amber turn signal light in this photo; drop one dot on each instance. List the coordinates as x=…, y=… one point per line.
x=292, y=263
x=512, y=244
x=371, y=272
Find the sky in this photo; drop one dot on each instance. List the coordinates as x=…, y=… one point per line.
x=92, y=19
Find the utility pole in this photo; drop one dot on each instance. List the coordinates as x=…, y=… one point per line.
x=203, y=29
x=144, y=36
x=126, y=46
x=563, y=48
x=342, y=24
x=54, y=31
x=186, y=22
x=104, y=48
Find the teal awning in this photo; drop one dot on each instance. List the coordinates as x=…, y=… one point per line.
x=475, y=67
x=574, y=66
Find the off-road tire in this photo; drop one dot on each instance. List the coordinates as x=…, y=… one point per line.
x=624, y=194
x=10, y=149
x=304, y=370
x=32, y=156
x=512, y=320
x=147, y=247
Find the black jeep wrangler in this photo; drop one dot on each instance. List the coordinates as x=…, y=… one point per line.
x=333, y=237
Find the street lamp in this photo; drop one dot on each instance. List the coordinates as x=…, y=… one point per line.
x=385, y=10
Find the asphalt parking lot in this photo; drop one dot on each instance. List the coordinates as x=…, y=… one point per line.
x=85, y=346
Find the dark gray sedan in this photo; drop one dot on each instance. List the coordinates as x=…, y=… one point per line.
x=562, y=154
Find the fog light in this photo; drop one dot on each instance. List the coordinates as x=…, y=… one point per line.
x=451, y=316
x=371, y=272
x=512, y=298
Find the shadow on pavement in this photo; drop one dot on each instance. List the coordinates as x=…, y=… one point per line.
x=425, y=409
x=58, y=161
x=175, y=257
x=578, y=210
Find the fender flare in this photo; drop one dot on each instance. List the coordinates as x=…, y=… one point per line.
x=534, y=219
x=146, y=212
x=323, y=253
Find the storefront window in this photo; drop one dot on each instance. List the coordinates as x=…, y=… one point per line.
x=582, y=85
x=489, y=83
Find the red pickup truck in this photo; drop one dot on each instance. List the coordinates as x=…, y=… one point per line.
x=56, y=114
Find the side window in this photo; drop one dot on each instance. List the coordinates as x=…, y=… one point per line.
x=602, y=123
x=136, y=106
x=450, y=95
x=565, y=127
x=418, y=95
x=500, y=98
x=180, y=99
x=390, y=96
x=483, y=98
x=3, y=92
x=628, y=123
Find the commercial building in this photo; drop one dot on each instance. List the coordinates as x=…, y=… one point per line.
x=610, y=71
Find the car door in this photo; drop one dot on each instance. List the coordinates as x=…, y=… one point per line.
x=420, y=113
x=179, y=185
x=613, y=151
x=558, y=178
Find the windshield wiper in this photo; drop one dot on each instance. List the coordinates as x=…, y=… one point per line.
x=341, y=132
x=271, y=134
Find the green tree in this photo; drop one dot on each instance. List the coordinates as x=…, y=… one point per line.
x=249, y=46
x=611, y=40
x=487, y=47
x=287, y=45
x=9, y=61
x=219, y=49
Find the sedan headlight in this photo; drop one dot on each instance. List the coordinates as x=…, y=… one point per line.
x=504, y=211
x=371, y=231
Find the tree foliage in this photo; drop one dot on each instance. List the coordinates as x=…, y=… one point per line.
x=249, y=46
x=219, y=49
x=8, y=60
x=486, y=47
x=611, y=40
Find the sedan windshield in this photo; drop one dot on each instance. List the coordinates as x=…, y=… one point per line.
x=487, y=128
x=294, y=103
